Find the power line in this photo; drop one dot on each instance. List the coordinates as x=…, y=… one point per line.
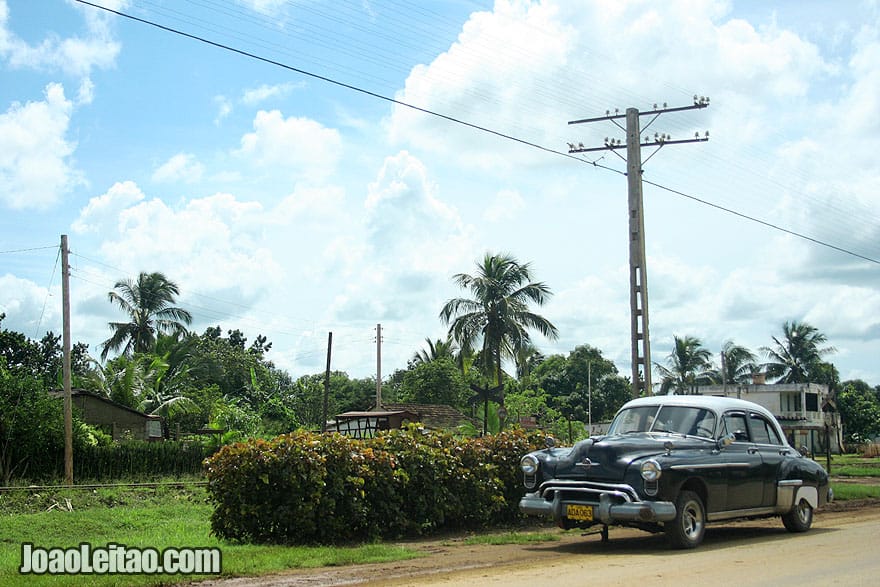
x=470, y=125
x=28, y=250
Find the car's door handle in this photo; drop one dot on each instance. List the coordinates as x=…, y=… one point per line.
x=785, y=452
x=753, y=450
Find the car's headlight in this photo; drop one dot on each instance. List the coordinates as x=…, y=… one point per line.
x=529, y=465
x=650, y=470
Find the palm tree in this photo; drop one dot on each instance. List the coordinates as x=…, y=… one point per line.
x=738, y=363
x=441, y=349
x=497, y=318
x=797, y=355
x=148, y=303
x=688, y=366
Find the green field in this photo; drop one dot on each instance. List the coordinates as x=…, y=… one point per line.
x=156, y=520
x=179, y=516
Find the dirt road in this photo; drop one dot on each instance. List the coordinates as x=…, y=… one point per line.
x=840, y=549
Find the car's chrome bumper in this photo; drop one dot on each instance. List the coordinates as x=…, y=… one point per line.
x=608, y=508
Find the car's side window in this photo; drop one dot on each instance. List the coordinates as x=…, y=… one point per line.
x=735, y=423
x=763, y=431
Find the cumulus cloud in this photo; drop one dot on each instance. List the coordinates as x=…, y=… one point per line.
x=201, y=242
x=414, y=241
x=182, y=167
x=76, y=56
x=491, y=78
x=23, y=302
x=300, y=146
x=102, y=212
x=36, y=169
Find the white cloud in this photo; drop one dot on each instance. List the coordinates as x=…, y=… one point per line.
x=181, y=167
x=298, y=146
x=35, y=165
x=224, y=109
x=254, y=96
x=101, y=213
x=506, y=205
x=201, y=243
x=74, y=56
x=269, y=7
x=507, y=67
x=24, y=304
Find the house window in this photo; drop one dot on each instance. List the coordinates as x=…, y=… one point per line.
x=154, y=429
x=791, y=402
x=812, y=402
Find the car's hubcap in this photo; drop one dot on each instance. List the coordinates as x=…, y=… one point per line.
x=692, y=520
x=803, y=511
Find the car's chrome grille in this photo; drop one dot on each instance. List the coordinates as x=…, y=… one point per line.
x=588, y=491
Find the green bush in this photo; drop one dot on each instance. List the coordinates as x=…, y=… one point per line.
x=310, y=488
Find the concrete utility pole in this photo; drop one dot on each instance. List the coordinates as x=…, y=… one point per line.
x=65, y=362
x=378, y=366
x=638, y=273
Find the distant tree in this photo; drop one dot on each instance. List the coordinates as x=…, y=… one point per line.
x=739, y=364
x=688, y=365
x=435, y=382
x=859, y=410
x=798, y=353
x=441, y=349
x=581, y=381
x=527, y=358
x=42, y=358
x=31, y=428
x=148, y=303
x=497, y=317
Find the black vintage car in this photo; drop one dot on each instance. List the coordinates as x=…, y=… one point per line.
x=674, y=464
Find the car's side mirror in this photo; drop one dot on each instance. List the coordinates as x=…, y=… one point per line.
x=726, y=440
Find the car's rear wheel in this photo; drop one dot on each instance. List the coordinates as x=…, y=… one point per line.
x=800, y=518
x=689, y=526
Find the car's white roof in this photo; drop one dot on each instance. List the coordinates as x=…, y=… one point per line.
x=715, y=403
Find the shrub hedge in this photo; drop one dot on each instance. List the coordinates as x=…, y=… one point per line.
x=137, y=459
x=304, y=488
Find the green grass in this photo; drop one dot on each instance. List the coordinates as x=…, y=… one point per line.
x=512, y=538
x=855, y=471
x=848, y=491
x=160, y=526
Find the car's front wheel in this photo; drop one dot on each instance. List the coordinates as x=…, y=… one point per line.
x=800, y=518
x=689, y=526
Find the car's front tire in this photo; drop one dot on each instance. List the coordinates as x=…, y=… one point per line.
x=800, y=518
x=689, y=526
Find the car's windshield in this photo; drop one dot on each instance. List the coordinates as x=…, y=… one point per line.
x=673, y=419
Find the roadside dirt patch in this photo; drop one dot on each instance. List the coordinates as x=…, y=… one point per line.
x=453, y=554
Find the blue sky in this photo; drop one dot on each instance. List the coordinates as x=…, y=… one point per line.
x=288, y=206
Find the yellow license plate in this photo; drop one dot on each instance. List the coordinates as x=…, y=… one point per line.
x=582, y=513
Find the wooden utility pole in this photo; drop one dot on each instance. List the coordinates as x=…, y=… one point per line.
x=327, y=383
x=638, y=272
x=65, y=369
x=378, y=366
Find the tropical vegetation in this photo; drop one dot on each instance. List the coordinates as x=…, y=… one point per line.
x=489, y=367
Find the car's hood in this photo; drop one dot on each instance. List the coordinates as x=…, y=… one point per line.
x=607, y=458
